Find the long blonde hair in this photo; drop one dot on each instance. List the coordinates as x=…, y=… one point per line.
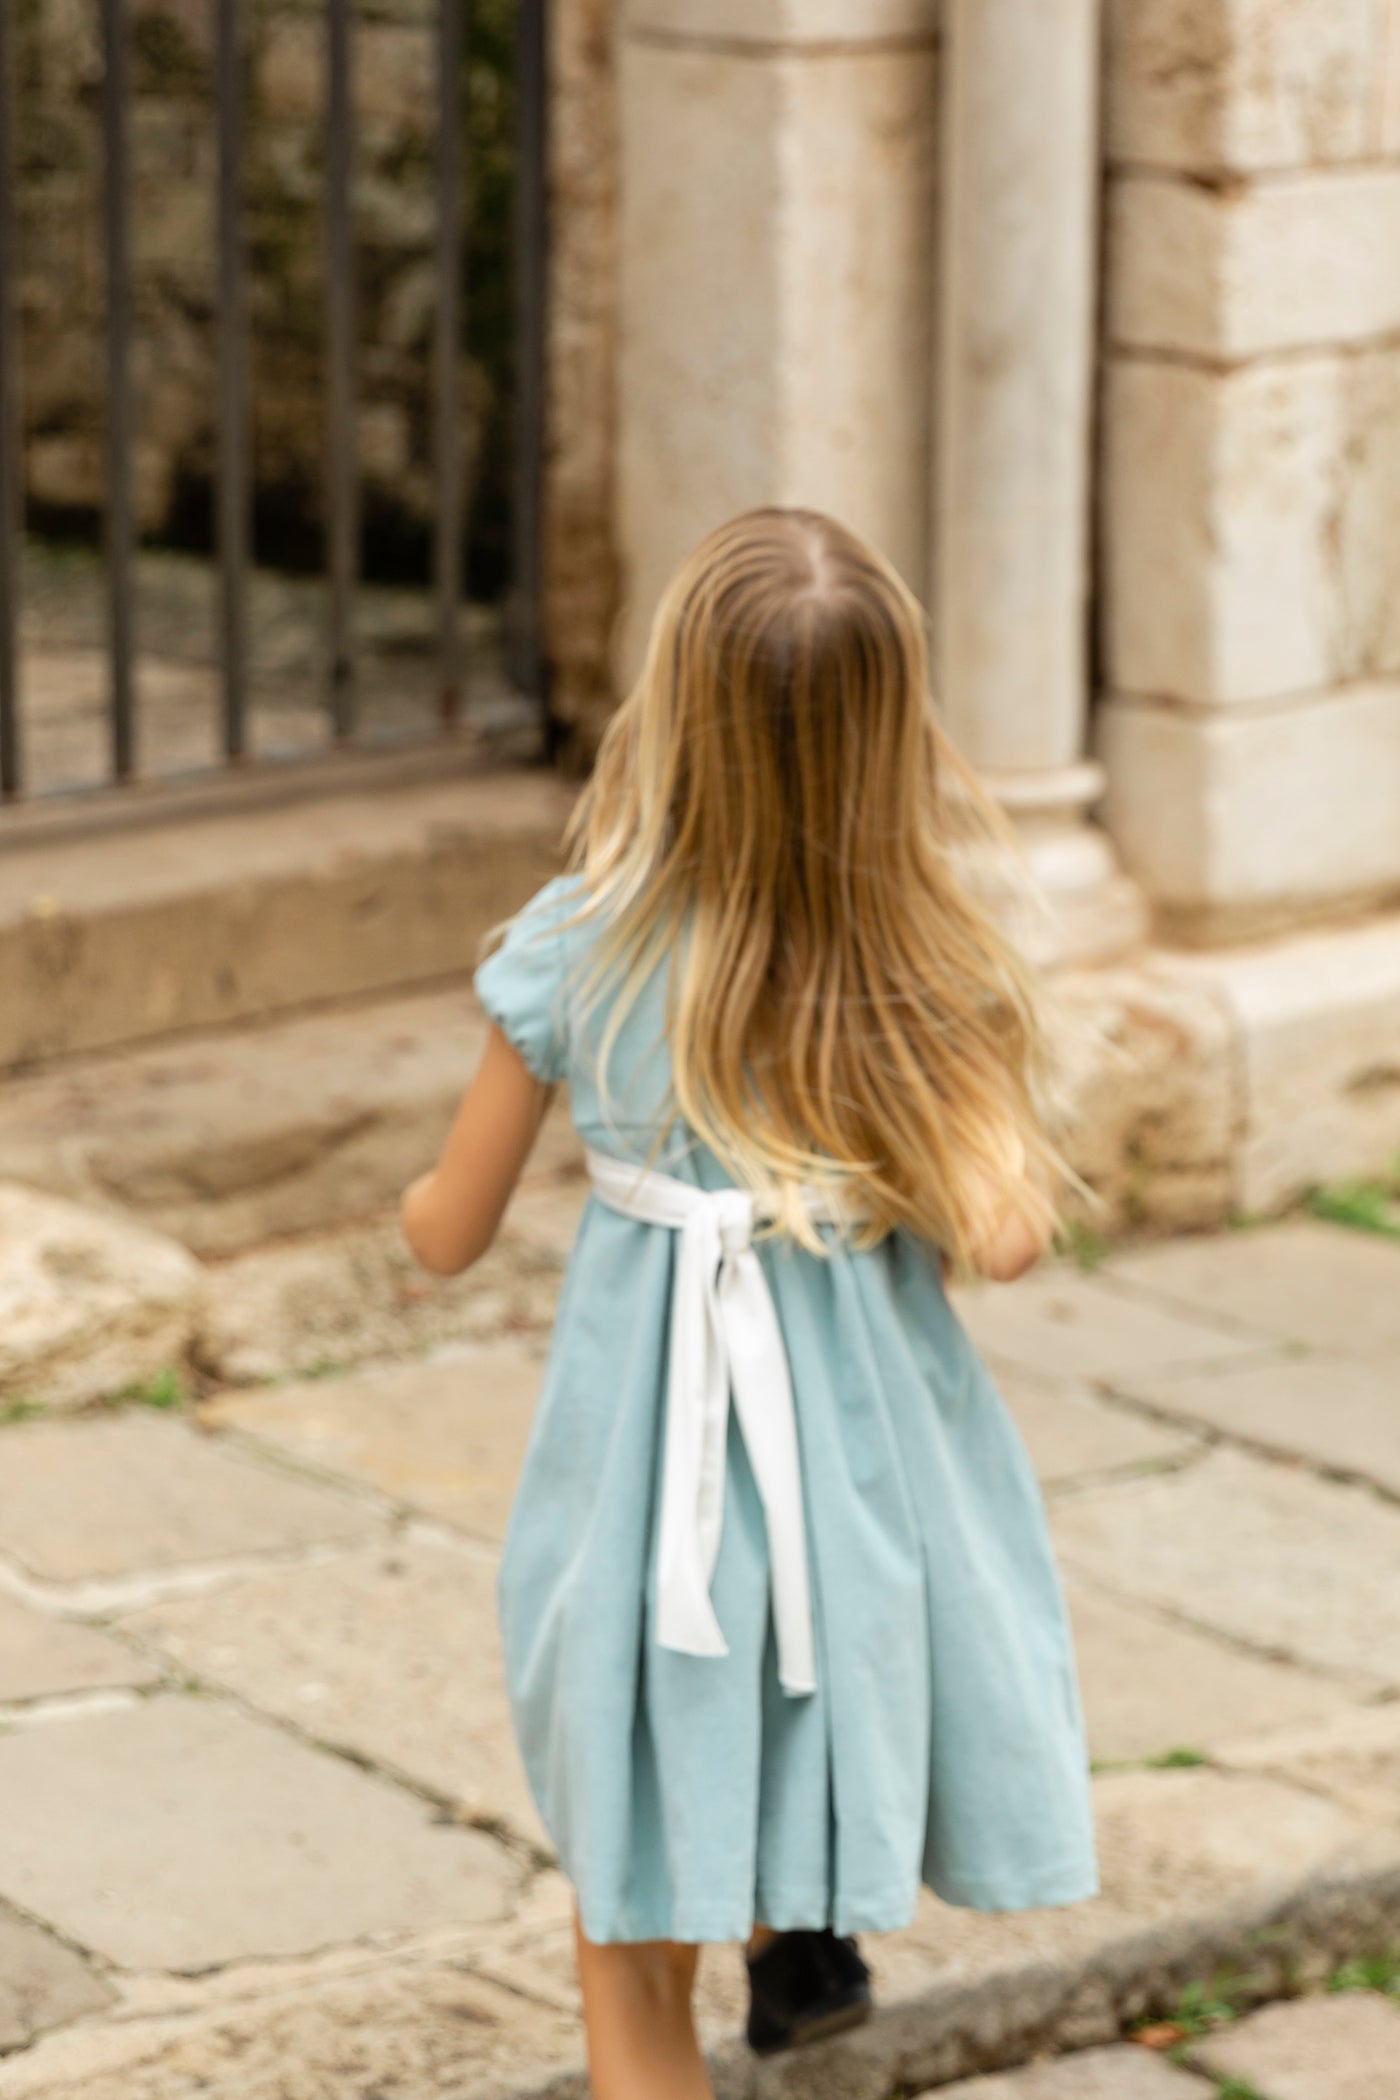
x=776, y=807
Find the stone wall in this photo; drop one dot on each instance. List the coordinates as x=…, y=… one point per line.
x=1250, y=582
x=174, y=172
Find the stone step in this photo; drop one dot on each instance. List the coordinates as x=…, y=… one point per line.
x=231, y=905
x=223, y=1141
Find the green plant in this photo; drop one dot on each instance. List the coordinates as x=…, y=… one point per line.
x=20, y=1409
x=1086, y=1248
x=1369, y=1972
x=166, y=1390
x=1363, y=1205
x=1182, y=1759
x=1236, y=2089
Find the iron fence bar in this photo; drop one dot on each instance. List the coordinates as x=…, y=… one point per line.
x=119, y=422
x=342, y=520
x=447, y=336
x=531, y=235
x=11, y=437
x=233, y=446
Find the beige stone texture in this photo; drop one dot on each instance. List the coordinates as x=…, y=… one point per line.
x=1339, y=2048
x=1151, y=1686
x=580, y=553
x=1295, y=262
x=1058, y=1323
x=390, y=1653
x=1099, y=2074
x=320, y=1305
x=1312, y=1019
x=90, y=1302
x=777, y=248
x=796, y=22
x=1390, y=79
x=103, y=1496
x=42, y=1656
x=119, y=936
x=418, y=2029
x=1071, y=1434
x=1216, y=85
x=1353, y=1757
x=308, y=1121
x=1340, y=1417
x=1201, y=805
x=43, y=1984
x=1143, y=1100
x=1251, y=527
x=1179, y=1842
x=445, y=1436
x=178, y=1833
x=1300, y=1283
x=1207, y=1546
x=1014, y=380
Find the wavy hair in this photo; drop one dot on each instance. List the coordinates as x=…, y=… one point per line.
x=776, y=808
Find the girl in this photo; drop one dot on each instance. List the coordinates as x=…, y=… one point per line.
x=782, y=1629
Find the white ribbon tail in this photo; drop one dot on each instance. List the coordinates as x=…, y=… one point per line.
x=694, y=1455
x=768, y=1418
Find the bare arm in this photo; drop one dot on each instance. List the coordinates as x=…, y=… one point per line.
x=450, y=1215
x=1014, y=1238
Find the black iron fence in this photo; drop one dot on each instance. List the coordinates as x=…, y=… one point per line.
x=233, y=494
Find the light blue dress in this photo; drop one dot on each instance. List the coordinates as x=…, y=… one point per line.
x=689, y=1797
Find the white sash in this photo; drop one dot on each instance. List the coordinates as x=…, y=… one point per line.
x=724, y=1337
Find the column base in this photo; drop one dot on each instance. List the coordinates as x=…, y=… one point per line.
x=1078, y=908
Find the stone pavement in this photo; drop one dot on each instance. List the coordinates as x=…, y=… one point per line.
x=264, y=1834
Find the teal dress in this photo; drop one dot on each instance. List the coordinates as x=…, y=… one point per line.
x=689, y=1797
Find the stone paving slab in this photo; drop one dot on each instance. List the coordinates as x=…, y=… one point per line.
x=1353, y=1756
x=42, y=1983
x=1340, y=2048
x=1338, y=1414
x=90, y=1302
x=445, y=1434
x=1128, y=2073
x=358, y=1296
x=1070, y=1433
x=392, y=1652
x=416, y=2030
x=1061, y=1323
x=1262, y=1552
x=235, y=1138
x=41, y=1656
x=109, y=1494
x=179, y=1833
x=1150, y=1686
x=1301, y=1281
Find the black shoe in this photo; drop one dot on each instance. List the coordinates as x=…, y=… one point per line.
x=805, y=1985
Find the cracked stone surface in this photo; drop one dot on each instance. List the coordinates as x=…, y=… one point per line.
x=1339, y=2048
x=1196, y=1692
x=1301, y=1281
x=1353, y=1756
x=108, y=1495
x=445, y=1435
x=358, y=1296
x=1074, y=1326
x=1098, y=2074
x=90, y=1301
x=1259, y=1551
x=42, y=1983
x=1070, y=1433
x=178, y=1833
x=41, y=1656
x=391, y=1651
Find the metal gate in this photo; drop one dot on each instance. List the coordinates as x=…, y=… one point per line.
x=233, y=479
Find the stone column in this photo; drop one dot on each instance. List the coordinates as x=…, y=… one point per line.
x=1015, y=384
x=777, y=244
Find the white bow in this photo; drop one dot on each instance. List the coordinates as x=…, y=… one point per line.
x=725, y=1338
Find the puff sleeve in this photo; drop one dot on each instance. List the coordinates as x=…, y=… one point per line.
x=521, y=985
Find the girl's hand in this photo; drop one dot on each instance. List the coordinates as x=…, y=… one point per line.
x=1016, y=1233
x=450, y=1215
